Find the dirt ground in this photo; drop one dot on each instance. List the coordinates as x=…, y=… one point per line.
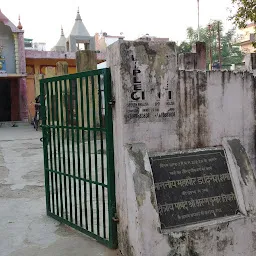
x=25, y=230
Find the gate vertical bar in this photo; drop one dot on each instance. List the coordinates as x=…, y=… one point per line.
x=78, y=156
x=72, y=84
x=110, y=160
x=102, y=157
x=45, y=146
x=59, y=146
x=84, y=152
x=95, y=153
x=68, y=153
x=56, y=192
x=63, y=149
x=89, y=148
x=50, y=147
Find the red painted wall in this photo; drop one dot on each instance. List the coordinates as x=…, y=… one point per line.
x=15, y=116
x=31, y=94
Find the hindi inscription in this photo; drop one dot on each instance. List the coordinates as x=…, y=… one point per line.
x=193, y=187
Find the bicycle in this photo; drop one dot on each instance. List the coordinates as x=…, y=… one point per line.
x=36, y=120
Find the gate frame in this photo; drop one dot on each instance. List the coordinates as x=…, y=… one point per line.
x=112, y=242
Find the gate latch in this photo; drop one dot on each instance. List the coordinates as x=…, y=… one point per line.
x=115, y=218
x=112, y=102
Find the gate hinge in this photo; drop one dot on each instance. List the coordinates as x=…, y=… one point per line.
x=112, y=102
x=115, y=218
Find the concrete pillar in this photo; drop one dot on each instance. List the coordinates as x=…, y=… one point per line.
x=17, y=54
x=50, y=72
x=200, y=49
x=61, y=68
x=144, y=81
x=86, y=60
x=22, y=81
x=187, y=61
x=22, y=59
x=250, y=61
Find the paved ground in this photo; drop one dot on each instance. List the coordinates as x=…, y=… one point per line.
x=25, y=230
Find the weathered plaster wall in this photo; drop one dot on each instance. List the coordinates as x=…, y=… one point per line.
x=155, y=134
x=231, y=108
x=30, y=54
x=140, y=236
x=208, y=107
x=86, y=60
x=214, y=105
x=234, y=236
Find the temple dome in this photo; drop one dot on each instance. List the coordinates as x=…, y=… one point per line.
x=62, y=40
x=79, y=28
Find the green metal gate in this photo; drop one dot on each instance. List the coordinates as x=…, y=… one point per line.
x=78, y=152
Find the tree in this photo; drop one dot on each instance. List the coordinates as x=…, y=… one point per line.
x=245, y=11
x=184, y=47
x=230, y=53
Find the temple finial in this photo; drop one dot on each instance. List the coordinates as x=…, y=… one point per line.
x=62, y=31
x=78, y=17
x=19, y=25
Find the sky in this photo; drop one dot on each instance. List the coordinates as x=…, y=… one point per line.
x=42, y=20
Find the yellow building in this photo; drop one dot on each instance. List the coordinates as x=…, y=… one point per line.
x=247, y=37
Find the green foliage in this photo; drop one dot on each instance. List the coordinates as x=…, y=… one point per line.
x=230, y=54
x=246, y=11
x=184, y=47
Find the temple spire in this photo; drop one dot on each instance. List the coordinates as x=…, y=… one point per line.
x=61, y=44
x=62, y=32
x=19, y=25
x=78, y=16
x=79, y=28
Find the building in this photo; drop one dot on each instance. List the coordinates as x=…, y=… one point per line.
x=247, y=37
x=61, y=44
x=13, y=93
x=29, y=45
x=23, y=63
x=79, y=38
x=103, y=40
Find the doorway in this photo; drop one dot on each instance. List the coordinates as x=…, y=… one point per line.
x=5, y=100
